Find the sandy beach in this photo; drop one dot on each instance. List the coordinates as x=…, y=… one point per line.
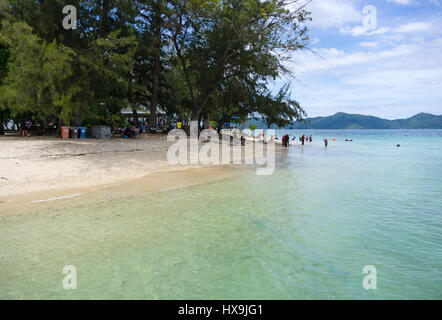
x=37, y=164
x=40, y=168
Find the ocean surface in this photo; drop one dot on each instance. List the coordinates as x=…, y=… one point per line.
x=304, y=232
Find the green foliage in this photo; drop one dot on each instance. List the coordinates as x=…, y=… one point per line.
x=38, y=74
x=4, y=56
x=281, y=109
x=197, y=59
x=246, y=41
x=253, y=126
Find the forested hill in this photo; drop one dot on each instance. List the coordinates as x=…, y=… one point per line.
x=342, y=120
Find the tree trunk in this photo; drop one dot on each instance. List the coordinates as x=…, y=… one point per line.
x=105, y=23
x=135, y=113
x=156, y=71
x=76, y=121
x=220, y=127
x=60, y=123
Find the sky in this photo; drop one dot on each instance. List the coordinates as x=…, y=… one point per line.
x=374, y=57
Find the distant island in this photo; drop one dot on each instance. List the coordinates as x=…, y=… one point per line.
x=343, y=120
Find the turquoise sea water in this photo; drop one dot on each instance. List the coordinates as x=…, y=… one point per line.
x=305, y=232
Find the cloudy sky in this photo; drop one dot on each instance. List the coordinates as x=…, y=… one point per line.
x=390, y=66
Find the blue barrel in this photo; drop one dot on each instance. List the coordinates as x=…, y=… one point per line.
x=82, y=132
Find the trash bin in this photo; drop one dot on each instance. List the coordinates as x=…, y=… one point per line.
x=65, y=132
x=81, y=132
x=73, y=133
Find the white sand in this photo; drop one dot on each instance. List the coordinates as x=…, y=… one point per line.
x=35, y=164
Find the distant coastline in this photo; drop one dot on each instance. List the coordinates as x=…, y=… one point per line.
x=343, y=120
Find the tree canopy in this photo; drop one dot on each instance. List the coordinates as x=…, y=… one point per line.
x=199, y=60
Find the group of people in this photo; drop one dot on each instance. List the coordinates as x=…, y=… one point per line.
x=29, y=128
x=303, y=139
x=129, y=132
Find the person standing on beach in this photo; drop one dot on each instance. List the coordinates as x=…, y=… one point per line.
x=302, y=139
x=310, y=138
x=325, y=142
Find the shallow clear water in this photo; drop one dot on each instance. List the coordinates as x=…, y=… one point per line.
x=305, y=232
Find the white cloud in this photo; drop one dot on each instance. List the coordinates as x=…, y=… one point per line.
x=397, y=78
x=332, y=13
x=394, y=83
x=404, y=28
x=390, y=93
x=396, y=72
x=369, y=44
x=413, y=27
x=406, y=2
x=359, y=31
x=332, y=58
